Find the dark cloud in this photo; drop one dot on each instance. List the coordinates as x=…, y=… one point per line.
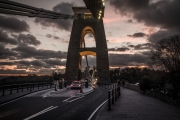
x=143, y=46
x=28, y=39
x=130, y=21
x=45, y=63
x=52, y=36
x=4, y=38
x=49, y=35
x=163, y=13
x=127, y=59
x=21, y=67
x=62, y=40
x=11, y=57
x=135, y=35
x=122, y=49
x=45, y=71
x=63, y=7
x=122, y=60
x=31, y=52
x=18, y=39
x=155, y=37
x=24, y=64
x=37, y=63
x=126, y=6
x=56, y=37
x=54, y=62
x=13, y=24
x=6, y=53
x=2, y=71
x=34, y=63
x=146, y=53
x=131, y=46
x=7, y=63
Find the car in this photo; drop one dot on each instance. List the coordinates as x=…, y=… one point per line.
x=76, y=84
x=137, y=84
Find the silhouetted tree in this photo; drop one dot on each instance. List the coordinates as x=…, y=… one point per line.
x=145, y=84
x=167, y=54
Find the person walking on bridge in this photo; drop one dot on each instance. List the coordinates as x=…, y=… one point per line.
x=119, y=83
x=123, y=83
x=65, y=82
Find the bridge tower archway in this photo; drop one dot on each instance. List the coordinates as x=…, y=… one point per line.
x=82, y=26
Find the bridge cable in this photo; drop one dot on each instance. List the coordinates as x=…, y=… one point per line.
x=14, y=8
x=86, y=55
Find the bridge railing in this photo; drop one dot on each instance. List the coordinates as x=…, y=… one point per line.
x=25, y=86
x=105, y=85
x=114, y=92
x=113, y=95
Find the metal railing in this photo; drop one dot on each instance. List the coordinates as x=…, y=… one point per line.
x=105, y=85
x=114, y=92
x=113, y=95
x=22, y=87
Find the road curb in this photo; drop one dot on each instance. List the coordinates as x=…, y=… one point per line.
x=85, y=93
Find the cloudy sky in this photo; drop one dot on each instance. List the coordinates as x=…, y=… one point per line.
x=132, y=28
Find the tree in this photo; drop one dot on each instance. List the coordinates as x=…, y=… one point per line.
x=145, y=84
x=166, y=55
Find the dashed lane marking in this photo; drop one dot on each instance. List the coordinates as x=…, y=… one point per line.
x=77, y=96
x=73, y=99
x=41, y=112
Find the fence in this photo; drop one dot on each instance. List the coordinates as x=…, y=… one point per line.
x=105, y=85
x=22, y=87
x=114, y=92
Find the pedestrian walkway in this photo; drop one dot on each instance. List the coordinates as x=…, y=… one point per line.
x=133, y=105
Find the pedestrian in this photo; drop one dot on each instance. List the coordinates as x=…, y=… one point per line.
x=119, y=83
x=123, y=83
x=65, y=82
x=55, y=85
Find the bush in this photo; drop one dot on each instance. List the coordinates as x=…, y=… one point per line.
x=145, y=84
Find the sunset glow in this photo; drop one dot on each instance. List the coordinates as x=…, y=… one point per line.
x=36, y=45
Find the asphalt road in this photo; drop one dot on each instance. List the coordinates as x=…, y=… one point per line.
x=67, y=105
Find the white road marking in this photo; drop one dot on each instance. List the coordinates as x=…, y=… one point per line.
x=44, y=96
x=97, y=110
x=23, y=97
x=37, y=92
x=88, y=92
x=41, y=112
x=68, y=99
x=76, y=99
x=47, y=94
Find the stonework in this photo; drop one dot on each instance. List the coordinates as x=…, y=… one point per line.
x=74, y=49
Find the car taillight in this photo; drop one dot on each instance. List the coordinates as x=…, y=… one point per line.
x=71, y=85
x=79, y=85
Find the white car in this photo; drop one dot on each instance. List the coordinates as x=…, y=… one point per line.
x=76, y=84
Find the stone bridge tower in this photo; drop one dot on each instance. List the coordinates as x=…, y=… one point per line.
x=89, y=21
